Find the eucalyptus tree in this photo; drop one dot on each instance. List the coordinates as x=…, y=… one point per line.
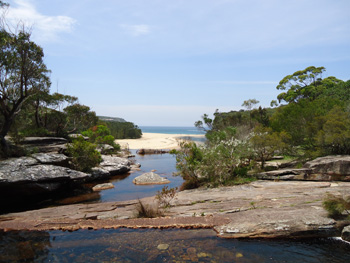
x=23, y=74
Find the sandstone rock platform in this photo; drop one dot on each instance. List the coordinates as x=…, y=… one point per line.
x=263, y=209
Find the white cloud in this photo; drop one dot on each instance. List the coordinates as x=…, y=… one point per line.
x=45, y=28
x=136, y=30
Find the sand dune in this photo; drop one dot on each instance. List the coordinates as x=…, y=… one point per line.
x=155, y=141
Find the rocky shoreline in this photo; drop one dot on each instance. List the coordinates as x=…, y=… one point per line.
x=286, y=204
x=263, y=209
x=30, y=179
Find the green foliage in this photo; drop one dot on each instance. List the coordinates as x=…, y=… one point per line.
x=206, y=124
x=233, y=118
x=100, y=134
x=123, y=130
x=220, y=162
x=187, y=161
x=336, y=205
x=23, y=73
x=334, y=137
x=249, y=104
x=301, y=84
x=314, y=122
x=266, y=143
x=79, y=118
x=84, y=155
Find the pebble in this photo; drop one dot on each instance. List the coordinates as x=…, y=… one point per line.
x=163, y=246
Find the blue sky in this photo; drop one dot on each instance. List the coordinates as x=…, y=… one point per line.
x=166, y=62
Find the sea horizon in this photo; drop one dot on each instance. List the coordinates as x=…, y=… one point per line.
x=171, y=130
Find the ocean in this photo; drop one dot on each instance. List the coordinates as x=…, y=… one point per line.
x=171, y=130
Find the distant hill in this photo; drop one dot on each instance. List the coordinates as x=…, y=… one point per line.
x=105, y=118
x=120, y=128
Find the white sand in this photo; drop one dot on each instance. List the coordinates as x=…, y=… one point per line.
x=155, y=141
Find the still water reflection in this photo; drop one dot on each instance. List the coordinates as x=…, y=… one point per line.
x=125, y=245
x=124, y=189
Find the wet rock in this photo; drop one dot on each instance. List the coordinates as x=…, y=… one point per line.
x=163, y=246
x=101, y=187
x=150, y=178
x=204, y=255
x=136, y=166
x=192, y=254
x=345, y=234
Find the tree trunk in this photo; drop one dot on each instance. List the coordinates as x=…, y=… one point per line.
x=3, y=132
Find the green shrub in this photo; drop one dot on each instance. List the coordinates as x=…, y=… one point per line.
x=84, y=155
x=222, y=161
x=100, y=134
x=336, y=205
x=40, y=132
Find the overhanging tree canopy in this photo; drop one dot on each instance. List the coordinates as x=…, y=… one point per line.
x=22, y=75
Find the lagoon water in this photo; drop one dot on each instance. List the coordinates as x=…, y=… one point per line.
x=171, y=130
x=178, y=245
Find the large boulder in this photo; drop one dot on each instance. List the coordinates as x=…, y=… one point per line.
x=110, y=166
x=26, y=176
x=46, y=144
x=328, y=168
x=286, y=174
x=150, y=178
x=335, y=165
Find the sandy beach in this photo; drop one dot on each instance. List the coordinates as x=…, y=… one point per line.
x=155, y=141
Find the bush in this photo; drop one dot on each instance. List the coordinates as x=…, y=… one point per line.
x=336, y=205
x=224, y=159
x=100, y=134
x=84, y=155
x=147, y=211
x=165, y=196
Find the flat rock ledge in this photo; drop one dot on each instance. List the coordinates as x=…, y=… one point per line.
x=150, y=178
x=46, y=173
x=328, y=168
x=263, y=209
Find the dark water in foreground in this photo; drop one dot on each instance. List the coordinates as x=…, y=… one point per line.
x=125, y=245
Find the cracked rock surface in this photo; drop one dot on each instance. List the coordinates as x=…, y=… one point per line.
x=263, y=209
